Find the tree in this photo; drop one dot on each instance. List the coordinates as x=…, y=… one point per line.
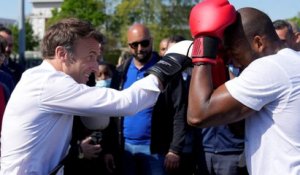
x=112, y=18
x=89, y=10
x=31, y=40
x=164, y=18
x=295, y=19
x=93, y=11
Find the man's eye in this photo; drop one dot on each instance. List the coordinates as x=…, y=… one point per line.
x=92, y=58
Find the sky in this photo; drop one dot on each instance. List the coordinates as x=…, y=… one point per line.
x=276, y=9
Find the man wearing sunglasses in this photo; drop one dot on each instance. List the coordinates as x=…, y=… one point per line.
x=138, y=134
x=140, y=45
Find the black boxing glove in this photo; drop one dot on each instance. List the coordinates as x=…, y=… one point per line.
x=176, y=59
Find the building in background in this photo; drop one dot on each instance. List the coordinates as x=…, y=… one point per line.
x=41, y=12
x=7, y=22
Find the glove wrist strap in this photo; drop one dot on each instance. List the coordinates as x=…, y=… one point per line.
x=204, y=60
x=205, y=49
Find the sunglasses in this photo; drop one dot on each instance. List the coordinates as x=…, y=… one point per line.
x=144, y=43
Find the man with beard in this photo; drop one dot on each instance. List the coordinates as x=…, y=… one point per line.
x=145, y=149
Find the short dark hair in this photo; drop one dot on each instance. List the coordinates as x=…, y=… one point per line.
x=65, y=33
x=109, y=65
x=6, y=30
x=176, y=38
x=281, y=24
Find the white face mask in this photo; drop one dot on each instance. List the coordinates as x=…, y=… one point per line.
x=103, y=83
x=234, y=70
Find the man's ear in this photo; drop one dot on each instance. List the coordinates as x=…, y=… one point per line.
x=297, y=36
x=61, y=53
x=258, y=44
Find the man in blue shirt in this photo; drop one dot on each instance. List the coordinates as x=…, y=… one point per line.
x=137, y=128
x=143, y=153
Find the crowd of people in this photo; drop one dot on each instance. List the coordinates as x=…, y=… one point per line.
x=228, y=108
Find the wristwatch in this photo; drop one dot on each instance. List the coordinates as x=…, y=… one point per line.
x=80, y=152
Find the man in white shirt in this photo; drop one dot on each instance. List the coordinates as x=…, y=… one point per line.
x=266, y=94
x=38, y=119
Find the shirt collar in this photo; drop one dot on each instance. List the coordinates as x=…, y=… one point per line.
x=154, y=58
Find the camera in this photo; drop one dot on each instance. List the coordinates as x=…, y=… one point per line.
x=96, y=137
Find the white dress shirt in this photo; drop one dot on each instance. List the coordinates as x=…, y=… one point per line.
x=38, y=120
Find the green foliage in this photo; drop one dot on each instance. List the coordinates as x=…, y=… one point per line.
x=164, y=18
x=296, y=19
x=15, y=32
x=112, y=56
x=90, y=10
x=31, y=41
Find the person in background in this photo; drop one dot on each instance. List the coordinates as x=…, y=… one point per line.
x=163, y=46
x=85, y=153
x=11, y=66
x=2, y=103
x=5, y=78
x=296, y=30
x=147, y=150
x=186, y=74
x=221, y=148
x=136, y=131
x=6, y=81
x=175, y=144
x=286, y=34
x=174, y=39
x=187, y=157
x=104, y=75
x=123, y=57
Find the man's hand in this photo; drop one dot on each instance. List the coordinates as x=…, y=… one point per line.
x=90, y=150
x=172, y=162
x=109, y=163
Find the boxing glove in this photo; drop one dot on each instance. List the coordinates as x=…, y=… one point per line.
x=176, y=59
x=208, y=20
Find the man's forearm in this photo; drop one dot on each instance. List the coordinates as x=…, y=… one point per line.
x=201, y=88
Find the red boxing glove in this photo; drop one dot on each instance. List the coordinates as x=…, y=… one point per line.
x=208, y=20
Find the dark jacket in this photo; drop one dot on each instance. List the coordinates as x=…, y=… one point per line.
x=169, y=114
x=14, y=69
x=73, y=164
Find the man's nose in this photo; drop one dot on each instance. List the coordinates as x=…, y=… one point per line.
x=140, y=47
